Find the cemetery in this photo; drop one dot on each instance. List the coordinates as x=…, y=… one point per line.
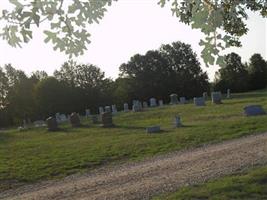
x=64, y=146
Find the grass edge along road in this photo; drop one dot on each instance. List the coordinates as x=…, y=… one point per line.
x=37, y=154
x=251, y=184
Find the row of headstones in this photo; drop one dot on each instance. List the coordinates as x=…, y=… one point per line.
x=74, y=119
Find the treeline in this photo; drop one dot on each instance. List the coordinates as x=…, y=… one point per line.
x=172, y=68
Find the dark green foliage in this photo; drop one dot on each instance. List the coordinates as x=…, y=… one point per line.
x=171, y=69
x=233, y=76
x=257, y=72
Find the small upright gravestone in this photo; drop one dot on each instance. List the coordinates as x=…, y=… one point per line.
x=114, y=109
x=153, y=129
x=161, y=103
x=75, y=120
x=216, y=97
x=107, y=109
x=100, y=110
x=58, y=117
x=153, y=102
x=137, y=108
x=182, y=100
x=228, y=93
x=126, y=107
x=199, y=101
x=51, y=124
x=63, y=118
x=177, y=121
x=174, y=99
x=106, y=119
x=254, y=110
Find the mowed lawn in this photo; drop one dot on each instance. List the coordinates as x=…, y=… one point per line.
x=37, y=154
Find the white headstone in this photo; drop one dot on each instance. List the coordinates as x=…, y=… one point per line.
x=107, y=109
x=153, y=102
x=63, y=118
x=161, y=103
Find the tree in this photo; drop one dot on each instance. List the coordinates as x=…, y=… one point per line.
x=257, y=72
x=233, y=76
x=87, y=82
x=51, y=97
x=38, y=76
x=3, y=89
x=171, y=69
x=68, y=21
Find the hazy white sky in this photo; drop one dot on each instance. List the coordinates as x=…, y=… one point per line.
x=129, y=27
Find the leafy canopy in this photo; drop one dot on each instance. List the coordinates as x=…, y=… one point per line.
x=222, y=22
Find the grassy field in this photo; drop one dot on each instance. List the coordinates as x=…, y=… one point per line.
x=37, y=154
x=248, y=186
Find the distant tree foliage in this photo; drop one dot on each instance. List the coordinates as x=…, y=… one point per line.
x=171, y=69
x=234, y=75
x=69, y=20
x=257, y=72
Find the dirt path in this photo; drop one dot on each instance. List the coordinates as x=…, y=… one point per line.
x=165, y=173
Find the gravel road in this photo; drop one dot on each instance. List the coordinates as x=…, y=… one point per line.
x=164, y=173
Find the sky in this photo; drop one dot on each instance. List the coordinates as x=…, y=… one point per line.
x=129, y=27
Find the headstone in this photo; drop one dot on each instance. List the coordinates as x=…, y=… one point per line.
x=125, y=107
x=228, y=93
x=114, y=109
x=161, y=103
x=106, y=119
x=174, y=99
x=137, y=107
x=107, y=109
x=75, y=120
x=101, y=110
x=63, y=118
x=145, y=105
x=205, y=95
x=87, y=113
x=153, y=102
x=94, y=119
x=182, y=100
x=51, y=124
x=153, y=129
x=199, y=101
x=58, y=117
x=254, y=110
x=177, y=121
x=216, y=97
